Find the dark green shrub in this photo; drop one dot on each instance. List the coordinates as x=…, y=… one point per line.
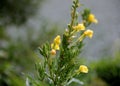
x=109, y=70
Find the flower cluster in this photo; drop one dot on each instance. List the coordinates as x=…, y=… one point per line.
x=81, y=27
x=55, y=45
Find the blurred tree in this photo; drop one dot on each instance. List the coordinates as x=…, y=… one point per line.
x=17, y=11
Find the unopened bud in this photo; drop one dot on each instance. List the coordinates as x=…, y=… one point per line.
x=53, y=52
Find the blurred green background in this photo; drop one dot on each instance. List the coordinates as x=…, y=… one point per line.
x=27, y=24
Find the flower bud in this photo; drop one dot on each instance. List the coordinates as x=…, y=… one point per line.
x=53, y=52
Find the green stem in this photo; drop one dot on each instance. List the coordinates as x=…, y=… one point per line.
x=73, y=15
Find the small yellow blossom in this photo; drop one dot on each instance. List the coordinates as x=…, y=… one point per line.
x=88, y=33
x=57, y=40
x=91, y=18
x=56, y=43
x=79, y=27
x=83, y=69
x=53, y=52
x=55, y=46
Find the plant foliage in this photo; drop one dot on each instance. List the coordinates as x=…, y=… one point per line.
x=59, y=65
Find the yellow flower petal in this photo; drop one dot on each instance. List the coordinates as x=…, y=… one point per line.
x=79, y=27
x=57, y=47
x=56, y=43
x=57, y=40
x=88, y=33
x=83, y=69
x=91, y=18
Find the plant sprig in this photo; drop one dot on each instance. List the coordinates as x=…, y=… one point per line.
x=59, y=65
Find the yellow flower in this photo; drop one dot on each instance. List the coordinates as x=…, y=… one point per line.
x=53, y=52
x=91, y=18
x=83, y=69
x=55, y=46
x=56, y=43
x=88, y=33
x=79, y=27
x=57, y=40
